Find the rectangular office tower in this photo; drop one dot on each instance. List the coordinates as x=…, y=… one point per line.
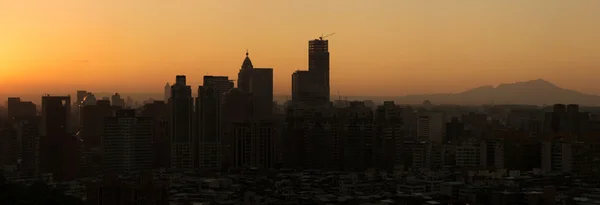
x=181, y=111
x=301, y=87
x=208, y=110
x=127, y=142
x=58, y=148
x=262, y=92
x=318, y=66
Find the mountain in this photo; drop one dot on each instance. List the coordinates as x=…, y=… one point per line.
x=533, y=92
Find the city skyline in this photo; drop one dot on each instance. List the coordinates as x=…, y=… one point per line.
x=416, y=47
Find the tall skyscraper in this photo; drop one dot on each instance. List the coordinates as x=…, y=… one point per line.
x=158, y=111
x=237, y=107
x=262, y=92
x=92, y=113
x=127, y=142
x=318, y=66
x=181, y=111
x=245, y=75
x=59, y=149
x=209, y=124
x=92, y=121
x=258, y=82
x=209, y=112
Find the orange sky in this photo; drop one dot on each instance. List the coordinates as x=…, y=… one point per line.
x=381, y=47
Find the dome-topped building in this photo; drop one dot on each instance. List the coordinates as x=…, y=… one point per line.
x=89, y=99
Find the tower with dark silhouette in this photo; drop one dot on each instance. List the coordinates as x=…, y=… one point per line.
x=181, y=107
x=58, y=148
x=259, y=83
x=245, y=74
x=318, y=66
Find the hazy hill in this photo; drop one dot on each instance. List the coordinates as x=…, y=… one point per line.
x=533, y=92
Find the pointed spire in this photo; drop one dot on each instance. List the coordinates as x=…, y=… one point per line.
x=247, y=62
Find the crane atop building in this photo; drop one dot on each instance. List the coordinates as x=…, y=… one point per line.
x=325, y=36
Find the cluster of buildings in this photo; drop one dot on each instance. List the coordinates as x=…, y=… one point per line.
x=229, y=144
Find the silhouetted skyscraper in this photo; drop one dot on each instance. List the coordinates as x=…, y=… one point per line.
x=245, y=74
x=318, y=66
x=258, y=82
x=181, y=107
x=262, y=92
x=237, y=107
x=209, y=112
x=158, y=111
x=59, y=149
x=209, y=121
x=301, y=87
x=127, y=142
x=92, y=122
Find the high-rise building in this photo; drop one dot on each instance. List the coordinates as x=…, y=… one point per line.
x=92, y=114
x=430, y=127
x=59, y=149
x=9, y=145
x=245, y=75
x=262, y=92
x=254, y=144
x=389, y=129
x=237, y=107
x=30, y=141
x=158, y=111
x=357, y=137
x=301, y=87
x=557, y=156
x=127, y=142
x=318, y=66
x=311, y=138
x=18, y=109
x=208, y=106
x=258, y=82
x=181, y=112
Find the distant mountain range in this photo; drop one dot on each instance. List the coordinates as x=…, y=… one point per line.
x=533, y=92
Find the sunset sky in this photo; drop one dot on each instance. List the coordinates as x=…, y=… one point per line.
x=381, y=47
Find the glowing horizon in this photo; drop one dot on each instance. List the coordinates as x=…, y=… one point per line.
x=386, y=48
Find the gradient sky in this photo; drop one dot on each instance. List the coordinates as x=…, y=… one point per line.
x=381, y=47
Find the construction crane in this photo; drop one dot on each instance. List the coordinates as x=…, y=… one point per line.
x=323, y=37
